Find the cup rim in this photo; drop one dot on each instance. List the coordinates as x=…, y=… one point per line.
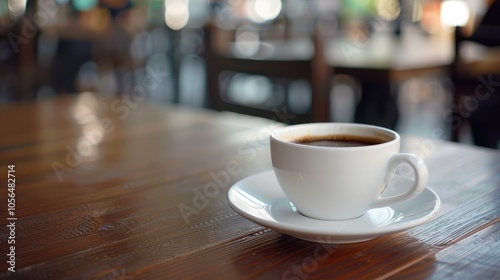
x=392, y=134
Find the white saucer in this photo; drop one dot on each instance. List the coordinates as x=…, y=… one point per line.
x=260, y=199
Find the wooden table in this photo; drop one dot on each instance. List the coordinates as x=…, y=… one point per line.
x=99, y=185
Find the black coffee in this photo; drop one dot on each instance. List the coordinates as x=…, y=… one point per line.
x=339, y=141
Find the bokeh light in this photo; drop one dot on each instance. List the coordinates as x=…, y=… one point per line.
x=84, y=5
x=388, y=9
x=454, y=13
x=247, y=42
x=16, y=7
x=263, y=10
x=176, y=13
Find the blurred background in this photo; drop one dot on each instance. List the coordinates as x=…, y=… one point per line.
x=423, y=67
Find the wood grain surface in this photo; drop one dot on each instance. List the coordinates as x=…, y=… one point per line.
x=120, y=189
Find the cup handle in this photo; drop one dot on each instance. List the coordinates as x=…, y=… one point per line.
x=421, y=177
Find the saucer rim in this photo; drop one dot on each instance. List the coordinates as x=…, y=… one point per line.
x=324, y=226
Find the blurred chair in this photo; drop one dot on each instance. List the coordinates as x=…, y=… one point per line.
x=475, y=73
x=282, y=65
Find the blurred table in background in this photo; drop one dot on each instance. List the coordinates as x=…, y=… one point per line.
x=381, y=63
x=386, y=58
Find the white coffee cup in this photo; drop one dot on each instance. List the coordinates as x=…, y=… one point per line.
x=341, y=183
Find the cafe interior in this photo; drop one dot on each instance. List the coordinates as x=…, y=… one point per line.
x=144, y=139
x=426, y=68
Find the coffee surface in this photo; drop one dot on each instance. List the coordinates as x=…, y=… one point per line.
x=339, y=141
